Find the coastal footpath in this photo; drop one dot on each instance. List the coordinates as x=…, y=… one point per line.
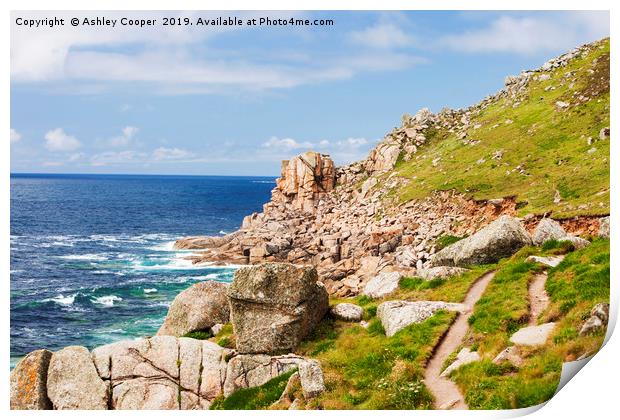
x=458, y=266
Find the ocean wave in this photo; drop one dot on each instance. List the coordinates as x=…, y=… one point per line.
x=263, y=182
x=152, y=290
x=87, y=257
x=166, y=246
x=106, y=300
x=62, y=299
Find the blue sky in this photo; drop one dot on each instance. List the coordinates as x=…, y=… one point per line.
x=235, y=101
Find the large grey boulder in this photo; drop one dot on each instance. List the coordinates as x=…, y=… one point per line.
x=546, y=230
x=383, y=284
x=501, y=238
x=197, y=308
x=73, y=382
x=578, y=243
x=398, y=314
x=274, y=306
x=29, y=382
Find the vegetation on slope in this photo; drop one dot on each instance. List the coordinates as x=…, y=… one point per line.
x=544, y=150
x=574, y=287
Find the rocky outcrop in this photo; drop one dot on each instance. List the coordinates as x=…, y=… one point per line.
x=536, y=335
x=29, y=382
x=73, y=382
x=398, y=314
x=305, y=179
x=599, y=316
x=578, y=243
x=197, y=308
x=347, y=312
x=383, y=284
x=546, y=230
x=502, y=238
x=274, y=306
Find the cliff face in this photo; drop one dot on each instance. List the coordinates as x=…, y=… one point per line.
x=390, y=211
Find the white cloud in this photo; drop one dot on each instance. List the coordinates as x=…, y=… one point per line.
x=165, y=153
x=183, y=60
x=529, y=34
x=342, y=151
x=382, y=35
x=15, y=136
x=111, y=158
x=286, y=144
x=58, y=141
x=124, y=139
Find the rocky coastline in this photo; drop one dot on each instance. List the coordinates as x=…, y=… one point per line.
x=327, y=234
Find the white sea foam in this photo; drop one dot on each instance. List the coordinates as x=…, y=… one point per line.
x=62, y=299
x=147, y=291
x=166, y=246
x=86, y=257
x=106, y=300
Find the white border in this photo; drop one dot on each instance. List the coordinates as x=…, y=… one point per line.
x=594, y=391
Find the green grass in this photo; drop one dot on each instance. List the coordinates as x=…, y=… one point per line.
x=254, y=398
x=446, y=240
x=199, y=335
x=574, y=287
x=451, y=289
x=364, y=369
x=551, y=145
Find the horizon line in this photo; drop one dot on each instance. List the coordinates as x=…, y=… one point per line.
x=138, y=174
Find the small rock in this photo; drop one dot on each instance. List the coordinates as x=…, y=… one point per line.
x=398, y=314
x=562, y=104
x=465, y=356
x=382, y=284
x=311, y=377
x=440, y=272
x=536, y=335
x=599, y=316
x=552, y=261
x=577, y=242
x=603, y=230
x=604, y=133
x=347, y=312
x=509, y=354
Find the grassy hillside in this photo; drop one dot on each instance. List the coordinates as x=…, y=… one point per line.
x=544, y=149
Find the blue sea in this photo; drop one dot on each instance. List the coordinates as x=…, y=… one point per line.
x=91, y=255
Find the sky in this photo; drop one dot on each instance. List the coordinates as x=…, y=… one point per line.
x=207, y=100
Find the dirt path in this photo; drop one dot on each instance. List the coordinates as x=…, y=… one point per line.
x=538, y=297
x=447, y=394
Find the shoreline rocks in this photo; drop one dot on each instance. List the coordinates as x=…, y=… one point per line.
x=197, y=308
x=274, y=306
x=28, y=382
